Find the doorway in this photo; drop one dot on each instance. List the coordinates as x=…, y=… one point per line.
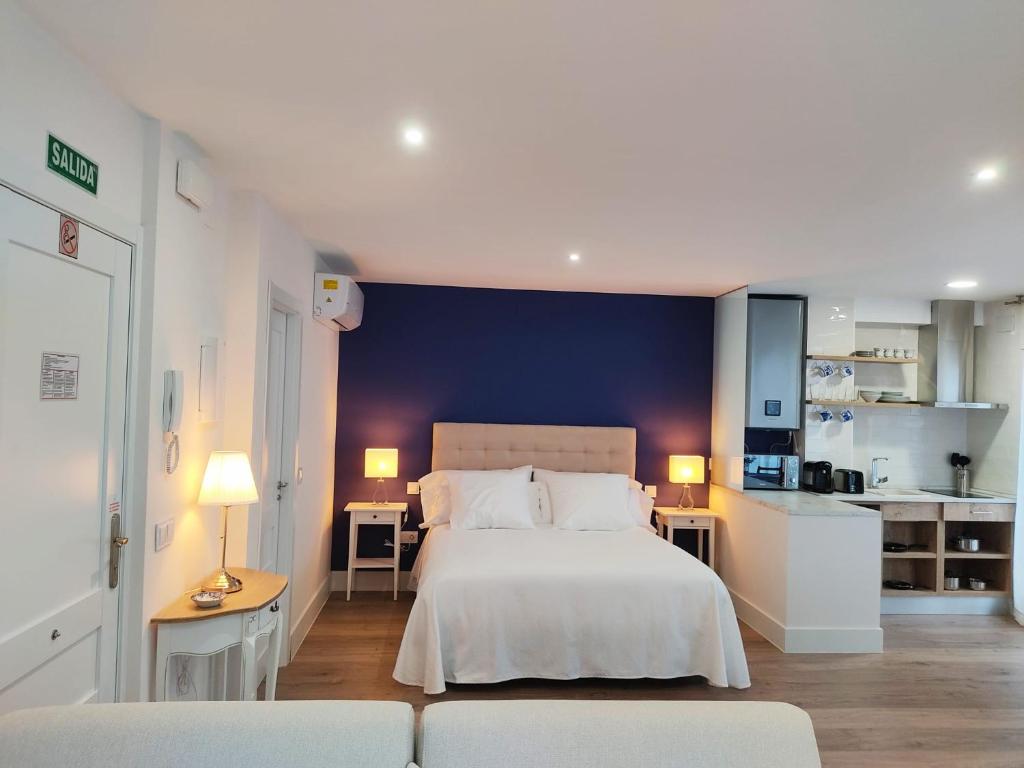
x=279, y=466
x=64, y=324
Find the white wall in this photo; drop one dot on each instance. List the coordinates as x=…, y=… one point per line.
x=187, y=306
x=729, y=389
x=994, y=436
x=266, y=251
x=45, y=90
x=184, y=292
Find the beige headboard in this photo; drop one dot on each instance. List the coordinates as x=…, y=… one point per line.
x=563, y=449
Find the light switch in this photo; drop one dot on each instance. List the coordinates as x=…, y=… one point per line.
x=412, y=489
x=163, y=534
x=651, y=490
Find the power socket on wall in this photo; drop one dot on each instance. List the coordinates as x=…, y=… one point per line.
x=410, y=537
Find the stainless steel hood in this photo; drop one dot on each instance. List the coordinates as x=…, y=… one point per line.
x=946, y=347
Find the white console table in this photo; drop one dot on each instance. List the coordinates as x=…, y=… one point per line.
x=244, y=616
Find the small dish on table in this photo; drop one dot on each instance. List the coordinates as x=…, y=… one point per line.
x=208, y=598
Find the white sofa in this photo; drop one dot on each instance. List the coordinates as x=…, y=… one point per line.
x=380, y=734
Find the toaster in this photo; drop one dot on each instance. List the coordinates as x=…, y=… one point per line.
x=848, y=481
x=817, y=476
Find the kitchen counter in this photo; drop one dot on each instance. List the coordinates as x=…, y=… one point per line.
x=807, y=504
x=896, y=497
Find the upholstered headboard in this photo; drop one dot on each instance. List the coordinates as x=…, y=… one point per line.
x=563, y=449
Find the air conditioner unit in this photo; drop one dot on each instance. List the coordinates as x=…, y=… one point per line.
x=337, y=302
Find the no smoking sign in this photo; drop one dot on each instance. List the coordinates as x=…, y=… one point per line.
x=67, y=242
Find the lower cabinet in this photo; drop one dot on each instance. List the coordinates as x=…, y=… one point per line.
x=932, y=556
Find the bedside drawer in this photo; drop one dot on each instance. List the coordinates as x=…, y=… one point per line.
x=383, y=516
x=689, y=522
x=268, y=613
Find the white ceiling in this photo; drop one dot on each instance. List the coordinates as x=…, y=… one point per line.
x=680, y=147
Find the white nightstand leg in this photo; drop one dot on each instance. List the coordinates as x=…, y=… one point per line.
x=398, y=550
x=162, y=660
x=273, y=659
x=711, y=544
x=352, y=533
x=700, y=544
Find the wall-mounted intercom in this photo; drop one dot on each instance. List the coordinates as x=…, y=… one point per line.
x=174, y=392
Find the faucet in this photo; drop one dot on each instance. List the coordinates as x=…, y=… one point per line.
x=876, y=479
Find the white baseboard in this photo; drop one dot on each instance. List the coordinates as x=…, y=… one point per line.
x=370, y=581
x=308, y=616
x=952, y=606
x=767, y=626
x=1018, y=617
x=807, y=639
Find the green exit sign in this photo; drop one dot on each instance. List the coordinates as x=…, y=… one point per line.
x=72, y=164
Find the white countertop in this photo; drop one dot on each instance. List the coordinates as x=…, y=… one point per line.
x=893, y=496
x=848, y=504
x=811, y=504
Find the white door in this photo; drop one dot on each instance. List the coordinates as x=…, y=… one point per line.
x=275, y=484
x=63, y=379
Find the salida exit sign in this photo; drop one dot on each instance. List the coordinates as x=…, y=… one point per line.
x=72, y=164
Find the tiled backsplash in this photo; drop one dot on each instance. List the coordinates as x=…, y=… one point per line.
x=917, y=442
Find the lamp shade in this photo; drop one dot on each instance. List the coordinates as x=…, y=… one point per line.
x=381, y=462
x=686, y=469
x=228, y=480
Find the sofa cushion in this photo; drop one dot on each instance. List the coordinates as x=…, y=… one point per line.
x=287, y=734
x=603, y=734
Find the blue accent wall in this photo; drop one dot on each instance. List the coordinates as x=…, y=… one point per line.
x=429, y=353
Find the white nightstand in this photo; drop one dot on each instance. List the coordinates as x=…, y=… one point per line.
x=368, y=513
x=671, y=519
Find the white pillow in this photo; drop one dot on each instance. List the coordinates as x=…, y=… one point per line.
x=588, y=501
x=640, y=507
x=540, y=504
x=490, y=500
x=436, y=499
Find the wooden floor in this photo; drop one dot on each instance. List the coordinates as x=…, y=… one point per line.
x=948, y=691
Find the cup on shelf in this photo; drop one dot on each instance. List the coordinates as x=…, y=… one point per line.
x=826, y=369
x=846, y=415
x=846, y=370
x=887, y=352
x=879, y=352
x=899, y=353
x=825, y=415
x=909, y=354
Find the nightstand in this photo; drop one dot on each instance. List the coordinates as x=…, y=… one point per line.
x=368, y=513
x=671, y=519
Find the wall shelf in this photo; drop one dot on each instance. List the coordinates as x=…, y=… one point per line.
x=855, y=359
x=909, y=555
x=864, y=404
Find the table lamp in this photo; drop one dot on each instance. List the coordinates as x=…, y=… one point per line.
x=381, y=463
x=686, y=470
x=227, y=482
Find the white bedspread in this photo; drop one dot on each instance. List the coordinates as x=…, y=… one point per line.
x=497, y=605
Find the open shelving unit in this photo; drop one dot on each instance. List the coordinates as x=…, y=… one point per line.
x=864, y=404
x=855, y=359
x=932, y=526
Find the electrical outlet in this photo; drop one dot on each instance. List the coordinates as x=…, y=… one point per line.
x=410, y=537
x=412, y=489
x=651, y=490
x=163, y=534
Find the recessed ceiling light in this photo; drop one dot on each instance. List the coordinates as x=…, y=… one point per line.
x=962, y=284
x=987, y=174
x=574, y=256
x=414, y=136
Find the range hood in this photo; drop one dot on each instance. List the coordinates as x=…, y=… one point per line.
x=946, y=373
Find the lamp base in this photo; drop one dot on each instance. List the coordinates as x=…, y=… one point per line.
x=223, y=582
x=686, y=500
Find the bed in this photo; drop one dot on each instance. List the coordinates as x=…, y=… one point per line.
x=495, y=605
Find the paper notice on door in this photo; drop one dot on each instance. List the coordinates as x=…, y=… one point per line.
x=58, y=377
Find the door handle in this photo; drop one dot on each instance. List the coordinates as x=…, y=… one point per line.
x=281, y=484
x=117, y=543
